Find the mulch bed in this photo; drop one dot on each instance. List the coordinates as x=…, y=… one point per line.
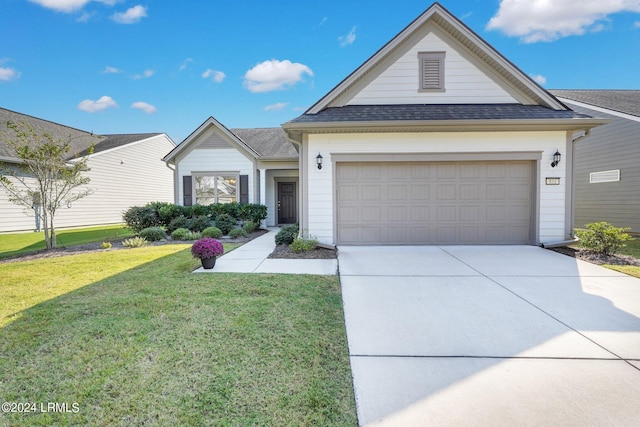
x=283, y=251
x=116, y=245
x=596, y=258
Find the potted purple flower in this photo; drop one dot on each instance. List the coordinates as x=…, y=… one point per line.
x=207, y=250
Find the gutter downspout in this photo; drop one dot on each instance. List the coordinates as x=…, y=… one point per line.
x=573, y=239
x=175, y=182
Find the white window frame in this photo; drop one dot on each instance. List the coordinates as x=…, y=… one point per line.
x=436, y=59
x=214, y=175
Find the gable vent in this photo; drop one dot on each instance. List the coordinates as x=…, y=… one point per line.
x=604, y=176
x=431, y=71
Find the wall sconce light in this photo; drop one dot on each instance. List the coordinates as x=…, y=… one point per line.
x=556, y=159
x=319, y=161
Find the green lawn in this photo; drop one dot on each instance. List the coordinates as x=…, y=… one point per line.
x=20, y=243
x=134, y=338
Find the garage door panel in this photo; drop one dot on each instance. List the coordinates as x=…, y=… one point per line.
x=434, y=203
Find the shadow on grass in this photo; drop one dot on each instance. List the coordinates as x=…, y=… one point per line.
x=157, y=345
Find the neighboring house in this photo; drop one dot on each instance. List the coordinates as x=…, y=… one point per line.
x=125, y=170
x=607, y=163
x=436, y=139
x=219, y=165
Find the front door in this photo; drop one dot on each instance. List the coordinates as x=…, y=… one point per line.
x=287, y=203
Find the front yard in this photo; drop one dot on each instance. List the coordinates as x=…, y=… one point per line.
x=131, y=337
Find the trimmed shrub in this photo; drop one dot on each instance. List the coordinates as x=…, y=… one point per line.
x=249, y=227
x=138, y=218
x=178, y=222
x=199, y=210
x=213, y=232
x=105, y=245
x=232, y=209
x=225, y=223
x=181, y=234
x=168, y=212
x=253, y=212
x=237, y=232
x=134, y=242
x=287, y=234
x=198, y=223
x=300, y=244
x=153, y=234
x=603, y=237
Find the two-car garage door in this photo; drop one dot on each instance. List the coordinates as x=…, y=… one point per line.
x=434, y=203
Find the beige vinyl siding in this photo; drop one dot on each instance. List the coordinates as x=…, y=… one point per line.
x=464, y=81
x=613, y=146
x=130, y=175
x=321, y=192
x=219, y=160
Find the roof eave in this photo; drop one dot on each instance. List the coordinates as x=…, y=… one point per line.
x=573, y=124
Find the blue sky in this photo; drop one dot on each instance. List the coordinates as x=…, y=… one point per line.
x=128, y=66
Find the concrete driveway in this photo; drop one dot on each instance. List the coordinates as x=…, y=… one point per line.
x=490, y=335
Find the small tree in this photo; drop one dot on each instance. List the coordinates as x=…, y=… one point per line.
x=44, y=177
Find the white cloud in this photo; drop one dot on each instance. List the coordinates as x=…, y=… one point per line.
x=544, y=20
x=131, y=16
x=540, y=79
x=348, y=39
x=103, y=103
x=69, y=6
x=185, y=64
x=143, y=106
x=145, y=75
x=275, y=75
x=8, y=74
x=111, y=70
x=276, y=107
x=216, y=76
x=85, y=17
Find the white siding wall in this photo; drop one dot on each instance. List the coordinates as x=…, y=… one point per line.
x=120, y=178
x=465, y=83
x=272, y=176
x=321, y=186
x=215, y=160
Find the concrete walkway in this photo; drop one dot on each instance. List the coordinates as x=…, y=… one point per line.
x=252, y=258
x=490, y=336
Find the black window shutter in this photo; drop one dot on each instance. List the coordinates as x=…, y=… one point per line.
x=187, y=193
x=244, y=189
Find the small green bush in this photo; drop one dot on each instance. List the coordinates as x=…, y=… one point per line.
x=134, y=242
x=199, y=210
x=213, y=232
x=225, y=223
x=300, y=244
x=168, y=213
x=105, y=245
x=181, y=234
x=178, y=222
x=237, y=232
x=138, y=218
x=153, y=234
x=249, y=227
x=287, y=234
x=603, y=237
x=253, y=212
x=198, y=223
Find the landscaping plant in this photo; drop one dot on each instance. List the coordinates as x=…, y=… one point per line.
x=185, y=234
x=207, y=248
x=301, y=244
x=603, y=237
x=153, y=234
x=213, y=232
x=249, y=227
x=134, y=242
x=287, y=234
x=237, y=232
x=225, y=223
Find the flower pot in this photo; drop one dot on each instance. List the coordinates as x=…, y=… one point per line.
x=208, y=263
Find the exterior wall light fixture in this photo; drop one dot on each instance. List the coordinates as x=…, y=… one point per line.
x=556, y=159
x=319, y=161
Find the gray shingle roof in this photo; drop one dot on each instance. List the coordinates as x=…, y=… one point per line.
x=79, y=140
x=269, y=143
x=435, y=112
x=622, y=101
